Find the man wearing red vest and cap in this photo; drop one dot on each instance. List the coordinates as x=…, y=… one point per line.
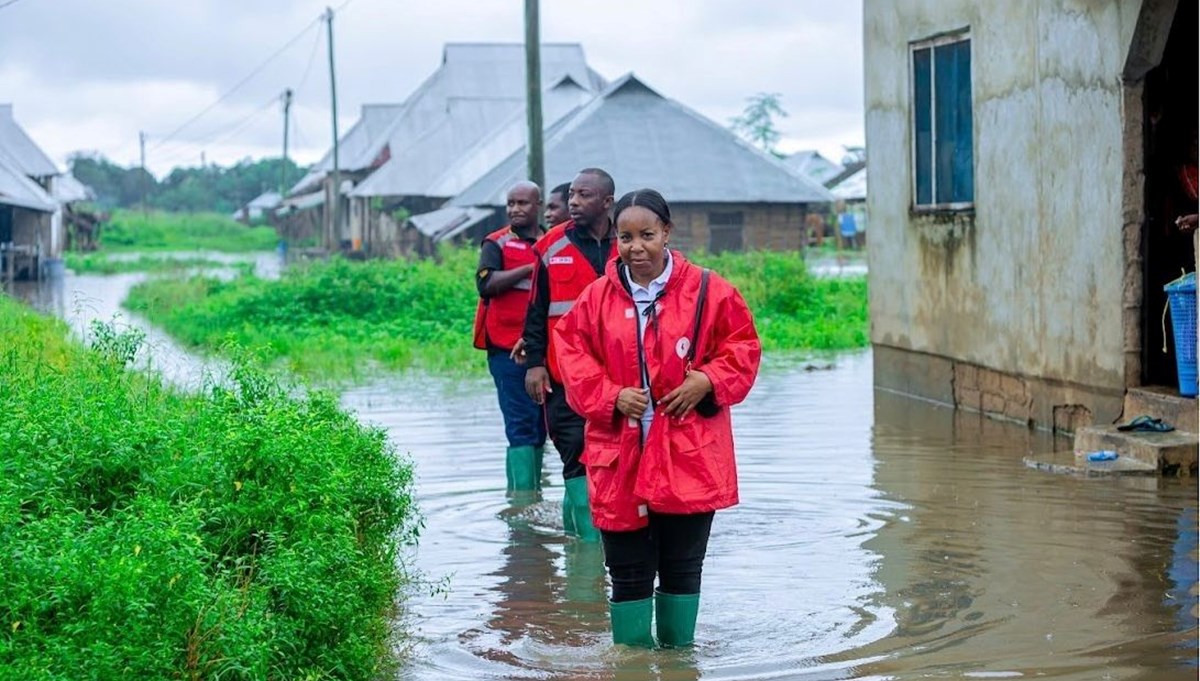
x=570, y=256
x=504, y=279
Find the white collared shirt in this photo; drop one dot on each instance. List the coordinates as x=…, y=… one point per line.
x=643, y=298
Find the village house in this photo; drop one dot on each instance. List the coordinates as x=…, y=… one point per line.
x=724, y=193
x=1020, y=228
x=32, y=193
x=477, y=88
x=437, y=170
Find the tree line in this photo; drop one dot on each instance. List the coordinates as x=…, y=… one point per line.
x=197, y=189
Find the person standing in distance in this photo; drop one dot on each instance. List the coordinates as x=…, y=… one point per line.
x=570, y=256
x=504, y=279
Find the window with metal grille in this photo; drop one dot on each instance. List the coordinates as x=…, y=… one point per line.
x=725, y=231
x=942, y=145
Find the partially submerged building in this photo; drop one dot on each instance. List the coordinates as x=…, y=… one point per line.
x=1024, y=158
x=32, y=232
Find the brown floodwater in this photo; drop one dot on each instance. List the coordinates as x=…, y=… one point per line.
x=879, y=537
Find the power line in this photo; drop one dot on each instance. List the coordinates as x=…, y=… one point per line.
x=185, y=149
x=13, y=2
x=239, y=84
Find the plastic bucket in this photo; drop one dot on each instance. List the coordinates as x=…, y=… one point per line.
x=1181, y=295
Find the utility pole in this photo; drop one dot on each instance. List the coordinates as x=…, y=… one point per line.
x=337, y=176
x=533, y=95
x=287, y=108
x=142, y=178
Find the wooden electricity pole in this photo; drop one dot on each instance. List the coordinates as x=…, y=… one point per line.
x=533, y=95
x=287, y=109
x=142, y=178
x=335, y=230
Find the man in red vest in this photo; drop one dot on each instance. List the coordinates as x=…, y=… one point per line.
x=570, y=256
x=504, y=279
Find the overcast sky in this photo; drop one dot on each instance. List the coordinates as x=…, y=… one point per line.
x=87, y=75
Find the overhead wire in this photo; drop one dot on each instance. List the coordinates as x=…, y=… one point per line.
x=258, y=69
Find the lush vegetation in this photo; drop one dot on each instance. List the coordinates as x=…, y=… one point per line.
x=339, y=318
x=244, y=533
x=793, y=310
x=333, y=318
x=204, y=188
x=101, y=263
x=129, y=230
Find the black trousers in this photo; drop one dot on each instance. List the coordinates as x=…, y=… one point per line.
x=672, y=546
x=566, y=430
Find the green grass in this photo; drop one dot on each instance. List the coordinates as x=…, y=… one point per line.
x=342, y=319
x=793, y=310
x=243, y=533
x=102, y=263
x=130, y=230
x=330, y=319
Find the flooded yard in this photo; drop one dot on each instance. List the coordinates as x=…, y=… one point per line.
x=878, y=537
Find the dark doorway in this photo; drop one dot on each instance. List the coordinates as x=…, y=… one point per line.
x=6, y=224
x=1171, y=184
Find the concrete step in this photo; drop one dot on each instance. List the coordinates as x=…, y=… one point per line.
x=1165, y=403
x=1172, y=453
x=1072, y=463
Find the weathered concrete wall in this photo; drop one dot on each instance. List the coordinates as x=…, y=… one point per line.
x=1029, y=283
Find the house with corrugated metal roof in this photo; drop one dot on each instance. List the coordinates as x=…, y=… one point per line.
x=474, y=93
x=31, y=225
x=725, y=194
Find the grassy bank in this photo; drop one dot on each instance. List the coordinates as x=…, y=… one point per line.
x=102, y=263
x=793, y=310
x=130, y=230
x=340, y=319
x=238, y=534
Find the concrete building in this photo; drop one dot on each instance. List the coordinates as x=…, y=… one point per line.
x=1024, y=156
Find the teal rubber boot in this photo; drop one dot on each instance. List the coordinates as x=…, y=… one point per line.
x=568, y=516
x=520, y=470
x=676, y=615
x=631, y=622
x=581, y=512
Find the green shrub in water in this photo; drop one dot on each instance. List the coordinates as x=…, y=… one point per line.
x=243, y=533
x=337, y=318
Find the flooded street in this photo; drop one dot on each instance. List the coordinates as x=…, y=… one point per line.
x=878, y=537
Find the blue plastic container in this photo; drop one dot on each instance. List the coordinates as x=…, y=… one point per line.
x=1181, y=295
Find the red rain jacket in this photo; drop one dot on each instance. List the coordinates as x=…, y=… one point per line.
x=685, y=466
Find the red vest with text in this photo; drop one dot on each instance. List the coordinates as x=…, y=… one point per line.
x=568, y=272
x=500, y=319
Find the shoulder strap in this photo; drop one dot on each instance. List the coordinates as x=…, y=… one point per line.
x=691, y=353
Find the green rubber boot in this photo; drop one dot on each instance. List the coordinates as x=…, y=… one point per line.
x=676, y=618
x=576, y=503
x=568, y=516
x=631, y=622
x=520, y=470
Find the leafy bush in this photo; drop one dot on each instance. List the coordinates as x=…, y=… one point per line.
x=340, y=318
x=101, y=263
x=794, y=310
x=244, y=533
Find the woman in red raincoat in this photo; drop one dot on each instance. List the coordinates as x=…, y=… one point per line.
x=653, y=355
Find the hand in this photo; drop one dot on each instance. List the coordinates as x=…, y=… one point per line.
x=632, y=402
x=1186, y=223
x=537, y=384
x=518, y=352
x=683, y=399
